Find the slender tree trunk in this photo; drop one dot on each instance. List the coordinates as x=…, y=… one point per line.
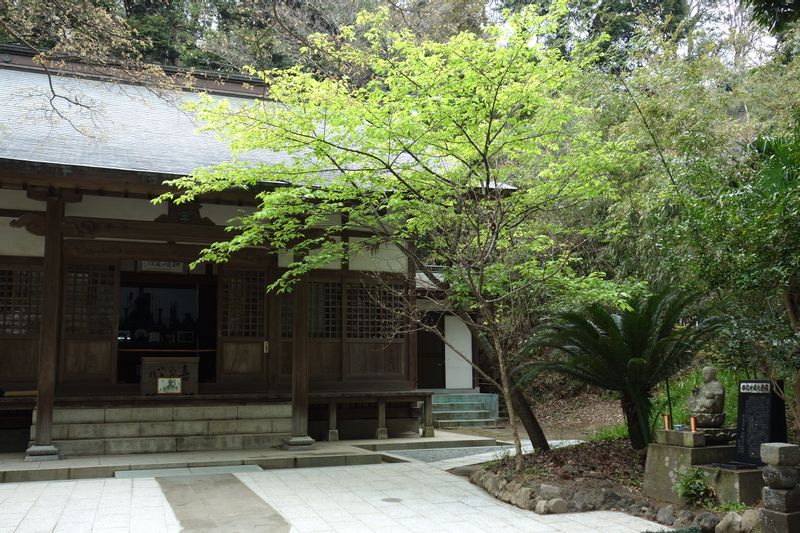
x=507, y=395
x=528, y=419
x=638, y=440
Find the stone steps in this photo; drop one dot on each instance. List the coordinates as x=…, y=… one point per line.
x=129, y=430
x=452, y=424
x=117, y=446
x=453, y=416
x=113, y=430
x=439, y=407
x=464, y=410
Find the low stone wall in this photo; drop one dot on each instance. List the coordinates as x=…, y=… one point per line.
x=545, y=498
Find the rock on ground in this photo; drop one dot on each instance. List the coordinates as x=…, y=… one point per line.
x=707, y=522
x=749, y=520
x=666, y=515
x=730, y=523
x=557, y=506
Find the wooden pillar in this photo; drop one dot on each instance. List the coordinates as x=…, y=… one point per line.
x=333, y=430
x=427, y=429
x=43, y=449
x=300, y=437
x=381, y=432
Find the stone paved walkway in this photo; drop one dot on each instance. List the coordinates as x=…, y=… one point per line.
x=408, y=497
x=411, y=497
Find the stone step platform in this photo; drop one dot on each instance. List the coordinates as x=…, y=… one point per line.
x=106, y=466
x=115, y=430
x=443, y=416
x=79, y=415
x=457, y=406
x=122, y=446
x=170, y=428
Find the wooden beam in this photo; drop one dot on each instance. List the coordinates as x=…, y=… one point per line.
x=106, y=228
x=43, y=448
x=300, y=437
x=111, y=182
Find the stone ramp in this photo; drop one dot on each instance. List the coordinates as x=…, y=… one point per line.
x=184, y=428
x=13, y=467
x=219, y=502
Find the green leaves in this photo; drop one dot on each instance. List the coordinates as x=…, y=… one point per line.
x=463, y=148
x=631, y=351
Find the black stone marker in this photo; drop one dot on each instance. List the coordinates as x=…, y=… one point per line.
x=761, y=418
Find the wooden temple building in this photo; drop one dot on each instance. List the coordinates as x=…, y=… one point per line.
x=106, y=332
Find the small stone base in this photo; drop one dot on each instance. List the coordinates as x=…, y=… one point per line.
x=298, y=443
x=333, y=434
x=740, y=486
x=381, y=433
x=690, y=439
x=777, y=522
x=427, y=431
x=42, y=453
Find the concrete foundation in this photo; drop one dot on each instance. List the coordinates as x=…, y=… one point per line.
x=665, y=462
x=739, y=486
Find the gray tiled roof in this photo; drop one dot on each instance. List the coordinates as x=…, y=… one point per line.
x=126, y=128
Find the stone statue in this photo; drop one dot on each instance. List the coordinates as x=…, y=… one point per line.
x=707, y=403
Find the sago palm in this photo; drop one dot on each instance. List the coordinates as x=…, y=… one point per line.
x=630, y=352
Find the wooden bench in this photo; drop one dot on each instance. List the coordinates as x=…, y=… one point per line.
x=380, y=399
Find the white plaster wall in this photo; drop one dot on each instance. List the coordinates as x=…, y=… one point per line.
x=222, y=214
x=388, y=258
x=333, y=265
x=109, y=207
x=330, y=220
x=18, y=241
x=457, y=372
x=18, y=199
x=284, y=259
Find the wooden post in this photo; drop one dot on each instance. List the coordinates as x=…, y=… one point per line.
x=427, y=430
x=300, y=437
x=333, y=430
x=381, y=432
x=43, y=449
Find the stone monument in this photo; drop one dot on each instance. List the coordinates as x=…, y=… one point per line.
x=707, y=402
x=762, y=418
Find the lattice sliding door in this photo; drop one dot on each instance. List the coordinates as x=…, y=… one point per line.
x=242, y=354
x=325, y=311
x=20, y=324
x=374, y=337
x=90, y=315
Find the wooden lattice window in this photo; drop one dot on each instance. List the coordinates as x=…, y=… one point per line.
x=373, y=312
x=20, y=302
x=287, y=315
x=243, y=294
x=325, y=310
x=89, y=300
